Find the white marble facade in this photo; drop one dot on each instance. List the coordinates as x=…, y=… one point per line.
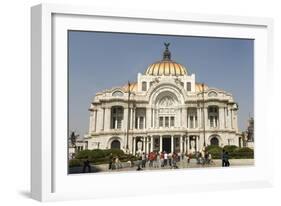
x=167, y=110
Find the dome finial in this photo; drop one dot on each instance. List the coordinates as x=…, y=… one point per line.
x=166, y=53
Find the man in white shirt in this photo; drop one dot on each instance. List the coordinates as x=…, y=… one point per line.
x=165, y=158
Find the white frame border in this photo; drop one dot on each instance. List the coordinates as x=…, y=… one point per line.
x=42, y=155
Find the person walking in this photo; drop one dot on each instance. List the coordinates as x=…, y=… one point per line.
x=188, y=158
x=143, y=160
x=223, y=157
x=170, y=159
x=197, y=155
x=162, y=159
x=139, y=162
x=158, y=160
x=150, y=159
x=206, y=158
x=174, y=159
x=86, y=166
x=227, y=164
x=165, y=158
x=110, y=161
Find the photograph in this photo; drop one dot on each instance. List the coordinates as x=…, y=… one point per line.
x=143, y=102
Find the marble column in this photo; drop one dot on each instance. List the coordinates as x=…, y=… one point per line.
x=148, y=118
x=206, y=118
x=103, y=113
x=125, y=119
x=107, y=118
x=184, y=117
x=95, y=120
x=131, y=118
x=181, y=142
x=172, y=144
x=161, y=143
x=225, y=120
x=231, y=118
x=92, y=115
x=144, y=144
x=198, y=118
x=152, y=144
x=147, y=144
x=134, y=145
x=197, y=143
x=156, y=122
x=187, y=144
x=152, y=118
x=235, y=122
x=221, y=118
x=181, y=122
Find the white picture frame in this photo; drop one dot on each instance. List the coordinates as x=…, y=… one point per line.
x=49, y=178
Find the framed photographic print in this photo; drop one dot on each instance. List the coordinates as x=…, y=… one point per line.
x=129, y=102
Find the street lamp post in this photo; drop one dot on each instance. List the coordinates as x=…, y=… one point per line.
x=128, y=116
x=204, y=127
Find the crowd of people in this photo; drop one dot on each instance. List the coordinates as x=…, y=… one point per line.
x=170, y=160
x=162, y=160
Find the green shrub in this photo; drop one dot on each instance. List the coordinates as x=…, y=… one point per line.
x=115, y=152
x=230, y=148
x=214, y=150
x=84, y=154
x=98, y=156
x=243, y=153
x=210, y=147
x=75, y=163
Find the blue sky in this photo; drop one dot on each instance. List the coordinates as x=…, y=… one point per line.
x=99, y=60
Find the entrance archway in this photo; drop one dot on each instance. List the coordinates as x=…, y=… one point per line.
x=167, y=144
x=215, y=141
x=115, y=144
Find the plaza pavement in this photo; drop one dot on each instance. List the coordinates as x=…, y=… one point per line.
x=181, y=165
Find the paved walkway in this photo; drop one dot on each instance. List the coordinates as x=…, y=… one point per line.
x=181, y=165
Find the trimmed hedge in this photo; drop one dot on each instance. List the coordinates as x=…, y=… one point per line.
x=242, y=153
x=215, y=151
x=230, y=148
x=233, y=151
x=98, y=156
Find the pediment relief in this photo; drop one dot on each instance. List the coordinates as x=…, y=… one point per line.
x=166, y=101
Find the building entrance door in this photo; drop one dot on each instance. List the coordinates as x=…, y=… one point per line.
x=167, y=144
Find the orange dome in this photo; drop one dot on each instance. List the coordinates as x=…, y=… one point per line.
x=167, y=68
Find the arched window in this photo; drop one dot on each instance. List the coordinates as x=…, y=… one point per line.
x=140, y=118
x=188, y=86
x=213, y=116
x=144, y=86
x=117, y=94
x=192, y=118
x=116, y=117
x=215, y=141
x=212, y=94
x=115, y=144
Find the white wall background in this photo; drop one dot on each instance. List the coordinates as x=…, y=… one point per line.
x=15, y=100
